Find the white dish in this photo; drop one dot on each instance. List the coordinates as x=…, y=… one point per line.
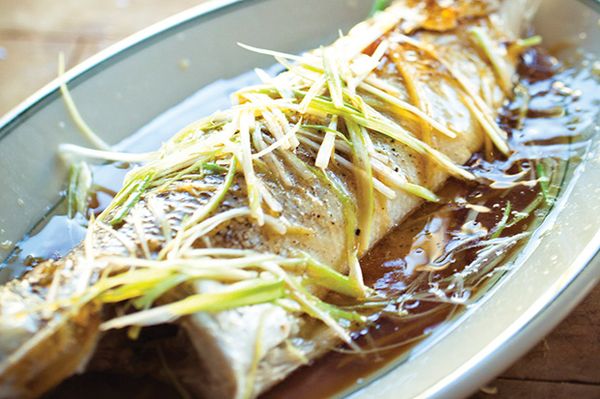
x=126, y=86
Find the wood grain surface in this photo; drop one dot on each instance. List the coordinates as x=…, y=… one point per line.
x=566, y=364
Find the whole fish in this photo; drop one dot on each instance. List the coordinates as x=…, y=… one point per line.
x=247, y=227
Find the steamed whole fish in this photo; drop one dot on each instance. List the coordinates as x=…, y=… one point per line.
x=246, y=226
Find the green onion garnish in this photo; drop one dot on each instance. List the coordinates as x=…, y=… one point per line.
x=379, y=5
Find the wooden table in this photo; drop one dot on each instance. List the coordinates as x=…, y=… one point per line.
x=566, y=364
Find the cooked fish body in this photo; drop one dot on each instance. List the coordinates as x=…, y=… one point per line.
x=439, y=82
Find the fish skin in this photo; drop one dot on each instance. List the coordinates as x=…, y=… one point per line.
x=49, y=348
x=40, y=342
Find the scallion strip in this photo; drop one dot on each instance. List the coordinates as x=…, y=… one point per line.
x=544, y=181
x=503, y=222
x=485, y=43
x=80, y=183
x=137, y=191
x=234, y=296
x=366, y=192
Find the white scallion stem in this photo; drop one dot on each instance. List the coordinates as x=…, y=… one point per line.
x=83, y=127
